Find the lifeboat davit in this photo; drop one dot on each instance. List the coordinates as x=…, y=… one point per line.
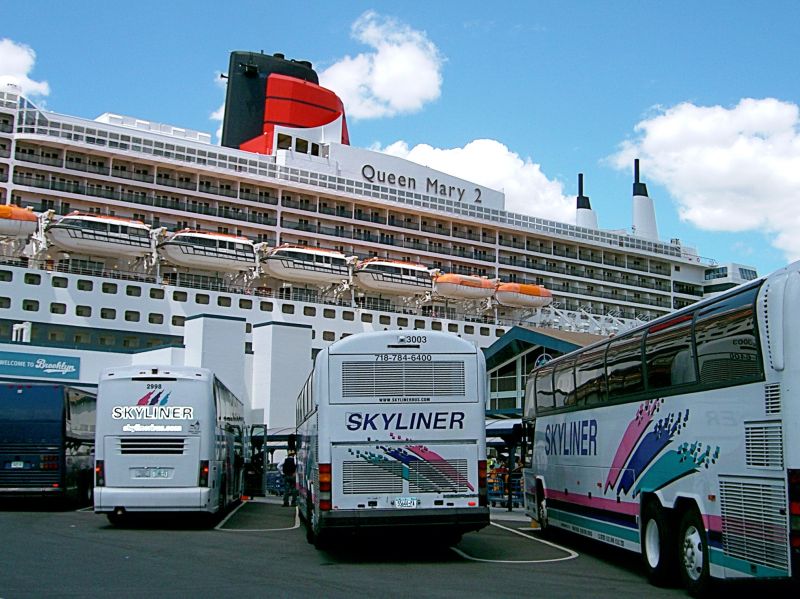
x=301, y=264
x=394, y=277
x=519, y=295
x=16, y=222
x=209, y=251
x=464, y=286
x=100, y=235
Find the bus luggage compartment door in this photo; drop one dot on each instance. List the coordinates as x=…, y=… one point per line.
x=151, y=461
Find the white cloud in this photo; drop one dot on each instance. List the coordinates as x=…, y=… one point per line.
x=16, y=63
x=400, y=75
x=729, y=169
x=490, y=163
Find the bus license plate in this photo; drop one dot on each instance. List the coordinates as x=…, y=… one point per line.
x=151, y=472
x=405, y=502
x=17, y=464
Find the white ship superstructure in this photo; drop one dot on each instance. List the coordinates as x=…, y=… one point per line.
x=152, y=224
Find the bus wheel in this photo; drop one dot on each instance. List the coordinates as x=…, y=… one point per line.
x=541, y=508
x=693, y=554
x=307, y=520
x=656, y=544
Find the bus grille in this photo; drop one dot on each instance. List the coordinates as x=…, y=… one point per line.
x=753, y=527
x=438, y=477
x=28, y=478
x=151, y=446
x=402, y=379
x=763, y=442
x=772, y=398
x=359, y=477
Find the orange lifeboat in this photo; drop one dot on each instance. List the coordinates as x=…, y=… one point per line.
x=464, y=286
x=16, y=222
x=519, y=295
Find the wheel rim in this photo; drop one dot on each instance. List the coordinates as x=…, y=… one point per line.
x=542, y=514
x=693, y=553
x=652, y=543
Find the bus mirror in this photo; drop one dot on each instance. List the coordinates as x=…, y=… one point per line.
x=292, y=441
x=516, y=434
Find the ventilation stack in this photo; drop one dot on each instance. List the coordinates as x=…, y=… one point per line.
x=644, y=212
x=584, y=215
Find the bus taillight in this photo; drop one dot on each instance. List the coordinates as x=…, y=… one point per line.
x=325, y=482
x=203, y=473
x=794, y=508
x=482, y=491
x=99, y=474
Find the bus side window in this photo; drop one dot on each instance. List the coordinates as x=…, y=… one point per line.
x=590, y=379
x=545, y=400
x=564, y=383
x=670, y=360
x=728, y=352
x=624, y=366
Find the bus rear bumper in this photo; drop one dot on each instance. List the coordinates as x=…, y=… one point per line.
x=459, y=519
x=156, y=499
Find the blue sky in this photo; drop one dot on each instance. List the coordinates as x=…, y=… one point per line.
x=519, y=95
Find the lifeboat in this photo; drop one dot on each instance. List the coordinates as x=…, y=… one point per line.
x=100, y=235
x=16, y=222
x=393, y=276
x=464, y=286
x=518, y=295
x=301, y=264
x=209, y=251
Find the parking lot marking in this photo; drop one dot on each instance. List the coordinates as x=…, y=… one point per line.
x=219, y=526
x=570, y=553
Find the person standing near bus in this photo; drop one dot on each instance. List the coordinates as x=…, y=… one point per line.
x=288, y=469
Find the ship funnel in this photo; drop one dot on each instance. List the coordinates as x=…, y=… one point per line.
x=584, y=215
x=644, y=212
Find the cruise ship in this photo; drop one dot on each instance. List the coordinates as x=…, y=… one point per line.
x=117, y=231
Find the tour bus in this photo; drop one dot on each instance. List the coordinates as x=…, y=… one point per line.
x=46, y=441
x=675, y=439
x=169, y=439
x=391, y=432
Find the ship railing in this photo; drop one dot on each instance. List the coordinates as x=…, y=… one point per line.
x=97, y=169
x=38, y=159
x=132, y=176
x=6, y=127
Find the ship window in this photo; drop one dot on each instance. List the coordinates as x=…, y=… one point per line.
x=287, y=308
x=328, y=336
x=419, y=324
x=133, y=291
x=56, y=336
x=309, y=311
x=109, y=287
x=180, y=296
x=366, y=317
x=33, y=279
x=108, y=313
x=5, y=302
x=499, y=332
x=383, y=319
x=301, y=145
x=201, y=298
x=6, y=275
x=131, y=316
x=130, y=342
x=485, y=331
x=328, y=313
x=266, y=306
x=246, y=304
x=177, y=321
x=469, y=329
x=348, y=315
x=402, y=322
x=30, y=305
x=156, y=293
x=284, y=141
x=314, y=149
x=59, y=282
x=106, y=340
x=224, y=301
x=155, y=318
x=452, y=327
x=83, y=311
x=436, y=325
x=82, y=339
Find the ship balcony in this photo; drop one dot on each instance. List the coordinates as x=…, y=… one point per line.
x=394, y=222
x=565, y=253
x=88, y=168
x=338, y=211
x=4, y=153
x=37, y=159
x=517, y=245
x=372, y=218
x=261, y=198
x=540, y=249
x=466, y=235
x=215, y=190
x=6, y=128
x=132, y=176
x=436, y=230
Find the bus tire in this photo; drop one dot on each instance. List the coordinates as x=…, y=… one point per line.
x=541, y=509
x=693, y=554
x=657, y=546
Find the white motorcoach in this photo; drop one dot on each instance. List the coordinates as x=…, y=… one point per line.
x=168, y=439
x=391, y=432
